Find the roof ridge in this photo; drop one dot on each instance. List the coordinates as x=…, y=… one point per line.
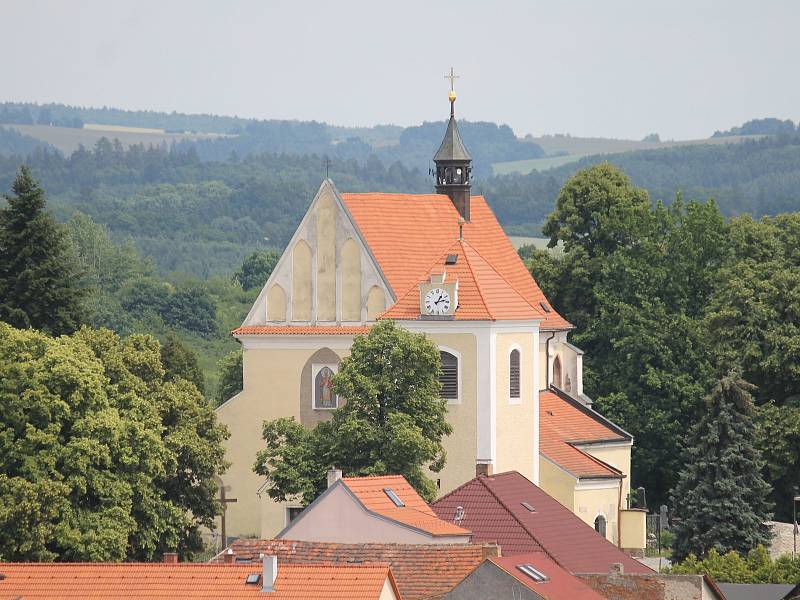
x=602, y=463
x=524, y=299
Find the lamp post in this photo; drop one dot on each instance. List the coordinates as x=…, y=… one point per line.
x=794, y=524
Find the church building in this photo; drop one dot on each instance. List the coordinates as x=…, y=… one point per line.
x=440, y=264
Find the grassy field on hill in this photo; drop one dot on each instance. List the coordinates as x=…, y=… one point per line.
x=67, y=139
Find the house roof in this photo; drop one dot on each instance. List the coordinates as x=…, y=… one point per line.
x=197, y=581
x=483, y=294
x=560, y=584
x=760, y=591
x=421, y=570
x=493, y=511
x=298, y=330
x=371, y=492
x=410, y=233
x=564, y=423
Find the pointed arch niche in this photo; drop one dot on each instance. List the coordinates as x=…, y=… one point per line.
x=276, y=304
x=351, y=281
x=376, y=302
x=301, y=281
x=557, y=373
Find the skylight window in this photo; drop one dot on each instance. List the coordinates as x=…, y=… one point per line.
x=545, y=306
x=533, y=573
x=451, y=259
x=394, y=497
x=528, y=506
x=253, y=578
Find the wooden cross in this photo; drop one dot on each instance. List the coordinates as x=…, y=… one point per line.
x=327, y=163
x=224, y=500
x=452, y=77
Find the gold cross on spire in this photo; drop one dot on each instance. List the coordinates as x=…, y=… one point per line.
x=452, y=77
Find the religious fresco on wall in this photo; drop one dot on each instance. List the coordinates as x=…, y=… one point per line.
x=323, y=389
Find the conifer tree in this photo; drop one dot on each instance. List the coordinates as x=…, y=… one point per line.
x=180, y=361
x=720, y=500
x=39, y=279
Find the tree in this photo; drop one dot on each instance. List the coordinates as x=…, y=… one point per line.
x=393, y=420
x=231, y=376
x=102, y=459
x=180, y=362
x=40, y=283
x=191, y=308
x=256, y=269
x=720, y=500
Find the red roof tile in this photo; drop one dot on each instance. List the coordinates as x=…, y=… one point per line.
x=416, y=512
x=493, y=511
x=421, y=570
x=200, y=581
x=409, y=233
x=564, y=422
x=560, y=584
x=298, y=330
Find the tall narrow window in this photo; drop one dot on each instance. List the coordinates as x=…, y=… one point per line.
x=557, y=372
x=513, y=375
x=449, y=376
x=600, y=525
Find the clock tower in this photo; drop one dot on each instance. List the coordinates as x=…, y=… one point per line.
x=453, y=162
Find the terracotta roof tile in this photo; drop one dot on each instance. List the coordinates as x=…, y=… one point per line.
x=408, y=233
x=560, y=584
x=563, y=422
x=199, y=581
x=421, y=570
x=298, y=330
x=493, y=511
x=416, y=512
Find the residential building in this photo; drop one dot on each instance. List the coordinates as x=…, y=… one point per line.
x=372, y=509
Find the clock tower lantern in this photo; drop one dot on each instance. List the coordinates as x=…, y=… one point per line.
x=453, y=162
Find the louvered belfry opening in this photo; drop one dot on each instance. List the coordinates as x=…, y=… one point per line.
x=513, y=375
x=449, y=376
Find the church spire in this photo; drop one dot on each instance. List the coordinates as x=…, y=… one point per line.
x=453, y=162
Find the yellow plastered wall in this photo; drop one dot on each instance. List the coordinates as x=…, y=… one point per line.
x=543, y=360
x=351, y=281
x=326, y=259
x=591, y=502
x=633, y=529
x=618, y=457
x=272, y=380
x=461, y=446
x=515, y=420
x=301, y=282
x=276, y=304
x=376, y=302
x=557, y=483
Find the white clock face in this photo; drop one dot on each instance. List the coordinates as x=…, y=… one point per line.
x=437, y=301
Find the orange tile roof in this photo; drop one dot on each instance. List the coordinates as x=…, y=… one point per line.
x=483, y=294
x=563, y=423
x=298, y=330
x=409, y=233
x=560, y=585
x=199, y=581
x=421, y=570
x=416, y=512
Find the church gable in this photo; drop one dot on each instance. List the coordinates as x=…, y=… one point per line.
x=326, y=274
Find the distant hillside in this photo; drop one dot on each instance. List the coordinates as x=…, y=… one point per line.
x=13, y=143
x=769, y=126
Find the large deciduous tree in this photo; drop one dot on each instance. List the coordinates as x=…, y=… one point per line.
x=720, y=500
x=393, y=420
x=39, y=279
x=256, y=269
x=102, y=459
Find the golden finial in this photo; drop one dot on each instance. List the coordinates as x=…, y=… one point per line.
x=452, y=96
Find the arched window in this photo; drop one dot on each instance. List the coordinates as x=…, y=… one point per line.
x=557, y=372
x=513, y=375
x=600, y=525
x=449, y=376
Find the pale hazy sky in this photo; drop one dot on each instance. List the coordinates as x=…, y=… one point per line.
x=602, y=67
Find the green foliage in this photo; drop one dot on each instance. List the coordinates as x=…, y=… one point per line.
x=393, y=421
x=230, y=378
x=180, y=362
x=720, y=500
x=730, y=567
x=256, y=269
x=769, y=126
x=102, y=458
x=39, y=281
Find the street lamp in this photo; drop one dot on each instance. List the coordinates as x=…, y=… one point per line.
x=794, y=525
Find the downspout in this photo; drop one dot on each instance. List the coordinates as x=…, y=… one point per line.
x=547, y=360
x=619, y=515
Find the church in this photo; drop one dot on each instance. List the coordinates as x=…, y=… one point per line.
x=440, y=264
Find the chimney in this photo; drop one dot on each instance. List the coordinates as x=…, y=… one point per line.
x=491, y=550
x=269, y=573
x=334, y=475
x=483, y=467
x=616, y=569
x=229, y=557
x=171, y=557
